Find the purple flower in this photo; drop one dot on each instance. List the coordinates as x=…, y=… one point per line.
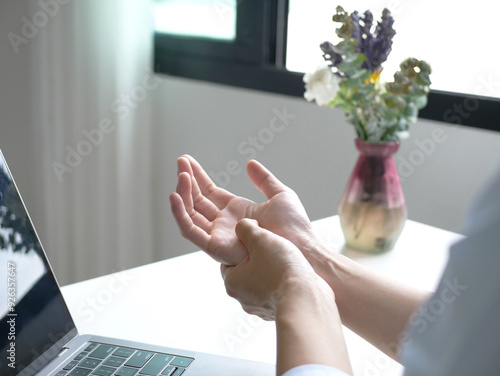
x=378, y=46
x=329, y=54
x=375, y=45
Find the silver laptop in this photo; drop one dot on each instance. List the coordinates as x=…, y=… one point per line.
x=38, y=335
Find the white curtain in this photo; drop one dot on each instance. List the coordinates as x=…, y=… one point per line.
x=91, y=82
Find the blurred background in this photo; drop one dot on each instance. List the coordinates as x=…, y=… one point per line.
x=92, y=134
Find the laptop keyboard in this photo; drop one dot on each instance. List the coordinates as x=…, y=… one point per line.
x=108, y=360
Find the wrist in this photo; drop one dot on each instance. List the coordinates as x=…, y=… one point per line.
x=320, y=256
x=303, y=294
x=308, y=327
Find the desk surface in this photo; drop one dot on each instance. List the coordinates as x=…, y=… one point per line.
x=181, y=302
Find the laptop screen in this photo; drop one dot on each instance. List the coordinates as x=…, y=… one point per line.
x=34, y=318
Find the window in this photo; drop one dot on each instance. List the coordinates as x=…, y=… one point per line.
x=202, y=19
x=268, y=44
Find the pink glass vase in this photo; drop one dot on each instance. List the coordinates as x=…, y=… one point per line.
x=372, y=210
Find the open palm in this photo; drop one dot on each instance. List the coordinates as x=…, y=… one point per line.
x=207, y=215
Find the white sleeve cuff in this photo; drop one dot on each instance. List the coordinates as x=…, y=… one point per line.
x=314, y=370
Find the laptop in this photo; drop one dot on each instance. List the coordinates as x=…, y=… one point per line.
x=38, y=335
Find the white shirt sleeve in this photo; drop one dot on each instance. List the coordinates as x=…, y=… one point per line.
x=314, y=370
x=457, y=332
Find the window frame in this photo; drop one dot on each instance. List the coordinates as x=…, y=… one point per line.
x=256, y=60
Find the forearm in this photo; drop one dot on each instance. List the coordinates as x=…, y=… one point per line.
x=373, y=306
x=309, y=330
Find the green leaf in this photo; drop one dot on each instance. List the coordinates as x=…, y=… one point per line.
x=394, y=88
x=388, y=112
x=424, y=79
x=416, y=91
x=351, y=64
x=420, y=101
x=394, y=101
x=424, y=66
x=402, y=125
x=353, y=83
x=411, y=110
x=343, y=100
x=346, y=47
x=362, y=74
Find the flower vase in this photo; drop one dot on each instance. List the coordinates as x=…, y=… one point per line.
x=372, y=210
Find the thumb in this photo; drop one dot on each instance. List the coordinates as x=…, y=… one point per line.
x=247, y=231
x=264, y=180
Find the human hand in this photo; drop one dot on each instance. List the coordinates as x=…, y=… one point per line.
x=273, y=271
x=207, y=214
x=276, y=282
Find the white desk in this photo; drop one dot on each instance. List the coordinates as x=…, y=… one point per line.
x=181, y=302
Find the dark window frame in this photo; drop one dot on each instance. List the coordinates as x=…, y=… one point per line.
x=256, y=60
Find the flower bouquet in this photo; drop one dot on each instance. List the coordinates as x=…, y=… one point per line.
x=380, y=112
x=372, y=210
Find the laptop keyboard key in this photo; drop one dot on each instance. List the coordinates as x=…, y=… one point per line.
x=102, y=351
x=180, y=361
x=139, y=359
x=104, y=371
x=91, y=347
x=80, y=356
x=90, y=363
x=80, y=372
x=126, y=371
x=168, y=371
x=155, y=365
x=70, y=365
x=114, y=361
x=178, y=372
x=123, y=352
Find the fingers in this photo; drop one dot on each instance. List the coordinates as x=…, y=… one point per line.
x=184, y=190
x=190, y=193
x=201, y=215
x=188, y=228
x=225, y=270
x=264, y=180
x=184, y=165
x=206, y=194
x=249, y=233
x=191, y=165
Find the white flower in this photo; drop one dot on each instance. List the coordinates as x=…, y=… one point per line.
x=321, y=86
x=402, y=135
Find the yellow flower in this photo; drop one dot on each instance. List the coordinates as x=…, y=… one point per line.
x=374, y=77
